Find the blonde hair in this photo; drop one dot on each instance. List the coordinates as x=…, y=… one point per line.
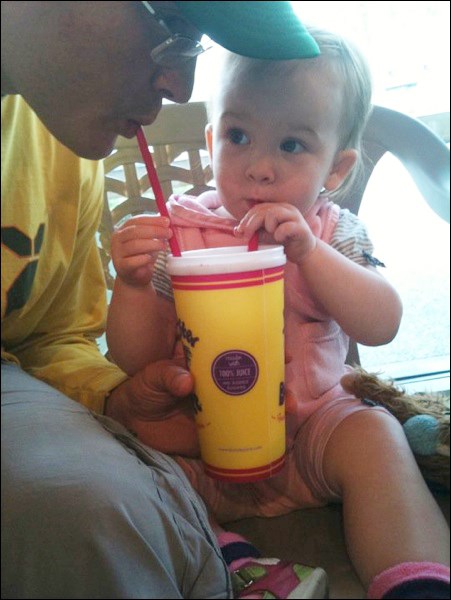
x=350, y=65
x=345, y=61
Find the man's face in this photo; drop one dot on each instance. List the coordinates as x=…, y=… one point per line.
x=95, y=80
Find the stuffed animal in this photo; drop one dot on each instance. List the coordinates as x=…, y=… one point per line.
x=424, y=417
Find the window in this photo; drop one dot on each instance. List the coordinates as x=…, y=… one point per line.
x=419, y=270
x=407, y=47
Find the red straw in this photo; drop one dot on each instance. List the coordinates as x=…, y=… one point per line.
x=252, y=245
x=155, y=183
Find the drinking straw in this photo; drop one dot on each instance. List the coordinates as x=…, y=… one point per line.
x=156, y=187
x=253, y=242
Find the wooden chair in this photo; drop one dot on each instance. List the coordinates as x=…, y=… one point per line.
x=181, y=160
x=418, y=148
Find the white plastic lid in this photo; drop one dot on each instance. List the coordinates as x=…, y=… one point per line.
x=232, y=259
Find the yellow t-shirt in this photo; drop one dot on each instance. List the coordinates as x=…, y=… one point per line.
x=53, y=291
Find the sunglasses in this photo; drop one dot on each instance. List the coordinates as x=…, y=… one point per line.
x=177, y=49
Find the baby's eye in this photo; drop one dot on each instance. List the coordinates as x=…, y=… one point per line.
x=237, y=136
x=292, y=146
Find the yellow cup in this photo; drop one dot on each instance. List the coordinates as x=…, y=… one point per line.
x=229, y=304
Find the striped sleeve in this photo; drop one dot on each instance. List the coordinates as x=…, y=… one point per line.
x=160, y=279
x=351, y=239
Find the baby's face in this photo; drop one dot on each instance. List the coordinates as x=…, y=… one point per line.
x=275, y=137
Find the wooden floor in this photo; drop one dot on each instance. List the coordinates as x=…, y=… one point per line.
x=312, y=537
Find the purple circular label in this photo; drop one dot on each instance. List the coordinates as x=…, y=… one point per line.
x=235, y=372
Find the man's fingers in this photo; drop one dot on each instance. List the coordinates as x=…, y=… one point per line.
x=168, y=378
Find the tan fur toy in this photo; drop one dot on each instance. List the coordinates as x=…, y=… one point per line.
x=424, y=417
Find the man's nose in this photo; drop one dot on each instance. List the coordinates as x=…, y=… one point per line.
x=177, y=84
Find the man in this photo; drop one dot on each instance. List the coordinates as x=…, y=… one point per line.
x=89, y=511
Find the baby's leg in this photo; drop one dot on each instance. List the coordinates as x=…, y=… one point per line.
x=390, y=516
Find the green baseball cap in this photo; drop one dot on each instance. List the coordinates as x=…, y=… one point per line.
x=268, y=30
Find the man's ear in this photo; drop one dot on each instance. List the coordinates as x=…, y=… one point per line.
x=343, y=164
x=209, y=139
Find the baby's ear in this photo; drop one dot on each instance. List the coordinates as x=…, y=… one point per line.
x=343, y=164
x=209, y=139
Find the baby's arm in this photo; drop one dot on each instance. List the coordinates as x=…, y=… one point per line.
x=359, y=298
x=141, y=325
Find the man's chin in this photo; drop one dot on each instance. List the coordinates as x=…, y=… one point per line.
x=93, y=149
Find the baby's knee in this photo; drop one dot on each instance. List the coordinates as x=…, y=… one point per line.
x=367, y=428
x=362, y=443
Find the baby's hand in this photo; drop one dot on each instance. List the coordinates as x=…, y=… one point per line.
x=284, y=224
x=135, y=246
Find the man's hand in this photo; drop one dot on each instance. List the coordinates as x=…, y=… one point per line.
x=155, y=404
